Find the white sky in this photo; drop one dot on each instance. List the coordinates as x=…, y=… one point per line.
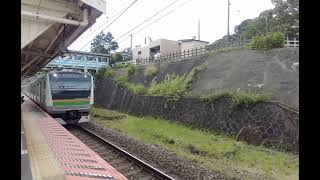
x=180, y=24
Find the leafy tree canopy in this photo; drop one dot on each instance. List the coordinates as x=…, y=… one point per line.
x=284, y=17
x=117, y=57
x=103, y=43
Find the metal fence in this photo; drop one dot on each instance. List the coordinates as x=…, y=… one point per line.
x=205, y=51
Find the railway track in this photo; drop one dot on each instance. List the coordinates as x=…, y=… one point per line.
x=127, y=164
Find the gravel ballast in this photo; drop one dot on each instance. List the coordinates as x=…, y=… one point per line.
x=157, y=157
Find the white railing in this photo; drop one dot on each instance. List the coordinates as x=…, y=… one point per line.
x=292, y=43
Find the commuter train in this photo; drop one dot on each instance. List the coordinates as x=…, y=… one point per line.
x=66, y=95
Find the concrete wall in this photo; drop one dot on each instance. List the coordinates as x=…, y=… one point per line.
x=144, y=53
x=168, y=46
x=264, y=123
x=192, y=45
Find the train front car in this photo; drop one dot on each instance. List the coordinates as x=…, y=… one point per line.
x=71, y=96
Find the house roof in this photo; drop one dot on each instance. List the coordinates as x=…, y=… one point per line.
x=190, y=40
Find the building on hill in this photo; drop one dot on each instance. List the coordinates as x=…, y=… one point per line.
x=165, y=46
x=186, y=44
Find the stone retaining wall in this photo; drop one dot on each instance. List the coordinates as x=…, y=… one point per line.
x=264, y=123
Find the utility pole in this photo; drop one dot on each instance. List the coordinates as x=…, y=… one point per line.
x=228, y=21
x=199, y=29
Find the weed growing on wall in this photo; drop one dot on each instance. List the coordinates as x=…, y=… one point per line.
x=150, y=71
x=239, y=99
x=246, y=98
x=136, y=89
x=109, y=72
x=131, y=70
x=102, y=71
x=122, y=81
x=172, y=86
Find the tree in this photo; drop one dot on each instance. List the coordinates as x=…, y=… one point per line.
x=127, y=54
x=103, y=43
x=286, y=15
x=284, y=18
x=239, y=29
x=117, y=57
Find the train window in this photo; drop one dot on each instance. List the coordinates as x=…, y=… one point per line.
x=70, y=85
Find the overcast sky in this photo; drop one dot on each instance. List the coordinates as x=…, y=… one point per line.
x=182, y=23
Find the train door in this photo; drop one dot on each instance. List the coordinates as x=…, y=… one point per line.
x=43, y=94
x=40, y=92
x=33, y=92
x=36, y=92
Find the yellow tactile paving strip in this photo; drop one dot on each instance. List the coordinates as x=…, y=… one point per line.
x=42, y=162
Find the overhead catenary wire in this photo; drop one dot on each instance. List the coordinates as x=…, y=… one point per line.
x=107, y=19
x=141, y=22
x=63, y=62
x=182, y=4
x=156, y=20
x=113, y=21
x=148, y=19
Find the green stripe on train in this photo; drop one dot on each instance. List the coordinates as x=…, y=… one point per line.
x=70, y=103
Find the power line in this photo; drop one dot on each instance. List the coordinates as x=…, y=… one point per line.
x=113, y=21
x=157, y=19
x=123, y=4
x=107, y=19
x=147, y=19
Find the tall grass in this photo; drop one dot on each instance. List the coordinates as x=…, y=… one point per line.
x=214, y=151
x=239, y=99
x=136, y=89
x=172, y=86
x=131, y=70
x=150, y=71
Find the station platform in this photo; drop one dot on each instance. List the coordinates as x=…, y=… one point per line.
x=50, y=152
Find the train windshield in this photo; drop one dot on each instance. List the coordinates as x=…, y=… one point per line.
x=70, y=85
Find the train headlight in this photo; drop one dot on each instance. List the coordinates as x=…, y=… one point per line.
x=55, y=75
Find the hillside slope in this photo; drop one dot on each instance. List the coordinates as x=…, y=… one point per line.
x=273, y=70
x=238, y=69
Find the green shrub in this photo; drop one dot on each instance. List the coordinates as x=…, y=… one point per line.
x=133, y=88
x=277, y=40
x=259, y=42
x=109, y=72
x=150, y=71
x=270, y=41
x=172, y=86
x=246, y=99
x=238, y=99
x=214, y=96
x=117, y=57
x=136, y=89
x=131, y=70
x=100, y=73
x=122, y=81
